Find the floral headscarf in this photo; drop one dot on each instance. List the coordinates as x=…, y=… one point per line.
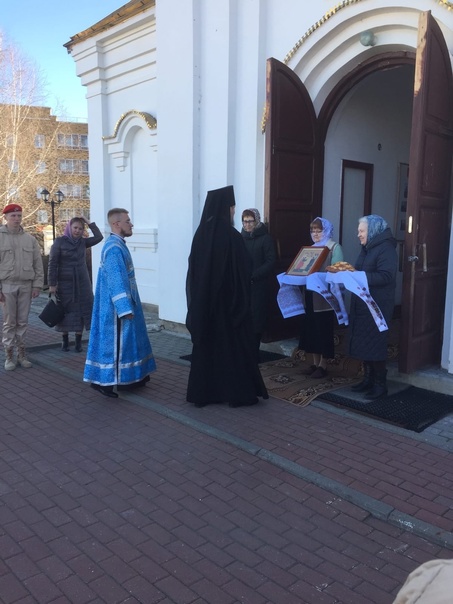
x=376, y=225
x=327, y=231
x=255, y=212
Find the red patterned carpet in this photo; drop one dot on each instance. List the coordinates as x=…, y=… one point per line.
x=285, y=378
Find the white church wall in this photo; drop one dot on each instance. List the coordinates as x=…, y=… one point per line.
x=178, y=107
x=205, y=84
x=118, y=68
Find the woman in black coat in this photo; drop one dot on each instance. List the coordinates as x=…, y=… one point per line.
x=68, y=275
x=378, y=259
x=261, y=249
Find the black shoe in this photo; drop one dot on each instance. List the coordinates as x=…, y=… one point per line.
x=134, y=385
x=78, y=343
x=378, y=391
x=310, y=370
x=65, y=343
x=319, y=373
x=105, y=390
x=363, y=386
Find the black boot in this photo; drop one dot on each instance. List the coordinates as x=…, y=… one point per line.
x=379, y=388
x=78, y=342
x=65, y=343
x=368, y=378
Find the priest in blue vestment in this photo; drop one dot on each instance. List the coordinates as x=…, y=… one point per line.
x=119, y=351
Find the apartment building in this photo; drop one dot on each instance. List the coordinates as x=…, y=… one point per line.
x=39, y=151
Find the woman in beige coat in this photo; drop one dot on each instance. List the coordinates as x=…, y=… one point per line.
x=430, y=583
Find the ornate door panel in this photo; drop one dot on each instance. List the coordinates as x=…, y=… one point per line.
x=427, y=231
x=292, y=177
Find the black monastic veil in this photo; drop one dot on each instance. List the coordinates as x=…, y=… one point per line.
x=223, y=366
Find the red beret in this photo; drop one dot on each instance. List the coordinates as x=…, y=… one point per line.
x=12, y=207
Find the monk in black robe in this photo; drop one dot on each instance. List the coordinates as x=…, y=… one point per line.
x=224, y=366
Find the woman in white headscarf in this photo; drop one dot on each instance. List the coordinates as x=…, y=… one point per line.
x=318, y=322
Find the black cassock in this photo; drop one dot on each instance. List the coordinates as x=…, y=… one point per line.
x=223, y=365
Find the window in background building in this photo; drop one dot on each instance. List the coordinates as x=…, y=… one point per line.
x=13, y=165
x=40, y=167
x=72, y=141
x=67, y=165
x=63, y=165
x=42, y=216
x=10, y=140
x=39, y=141
x=73, y=166
x=67, y=213
x=13, y=193
x=38, y=192
x=71, y=191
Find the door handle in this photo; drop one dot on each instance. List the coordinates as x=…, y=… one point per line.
x=425, y=258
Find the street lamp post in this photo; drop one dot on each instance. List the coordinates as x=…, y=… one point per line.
x=45, y=196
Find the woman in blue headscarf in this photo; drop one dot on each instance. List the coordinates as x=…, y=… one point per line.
x=318, y=322
x=378, y=259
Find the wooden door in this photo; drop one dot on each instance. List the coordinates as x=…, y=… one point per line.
x=293, y=178
x=427, y=226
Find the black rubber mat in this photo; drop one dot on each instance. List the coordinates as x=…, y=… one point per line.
x=413, y=408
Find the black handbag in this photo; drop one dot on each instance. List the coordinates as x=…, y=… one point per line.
x=52, y=313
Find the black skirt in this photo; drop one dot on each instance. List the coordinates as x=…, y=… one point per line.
x=317, y=330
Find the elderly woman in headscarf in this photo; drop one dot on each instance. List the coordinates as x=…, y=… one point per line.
x=261, y=249
x=318, y=322
x=69, y=278
x=378, y=259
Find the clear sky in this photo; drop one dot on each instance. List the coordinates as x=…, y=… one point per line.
x=40, y=28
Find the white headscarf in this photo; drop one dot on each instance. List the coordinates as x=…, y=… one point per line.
x=327, y=231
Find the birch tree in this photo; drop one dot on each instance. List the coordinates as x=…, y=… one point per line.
x=29, y=153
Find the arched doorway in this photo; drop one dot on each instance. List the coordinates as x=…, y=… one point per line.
x=295, y=163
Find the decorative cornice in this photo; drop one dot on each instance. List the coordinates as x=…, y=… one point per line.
x=132, y=8
x=300, y=41
x=317, y=25
x=448, y=4
x=149, y=120
x=445, y=3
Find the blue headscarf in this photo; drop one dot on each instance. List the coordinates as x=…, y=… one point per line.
x=327, y=231
x=376, y=225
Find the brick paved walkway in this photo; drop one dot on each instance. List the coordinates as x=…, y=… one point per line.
x=147, y=499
